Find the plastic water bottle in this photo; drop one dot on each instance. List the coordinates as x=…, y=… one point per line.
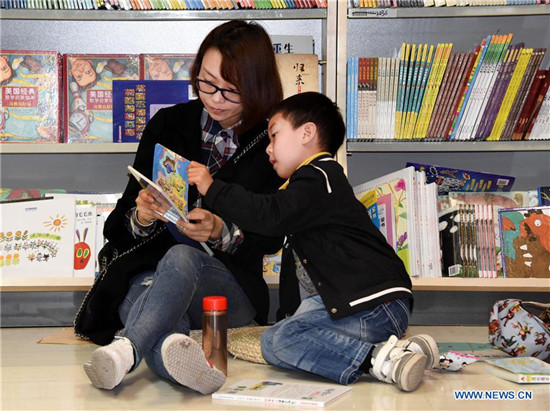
x=214, y=331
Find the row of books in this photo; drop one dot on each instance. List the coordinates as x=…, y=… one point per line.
x=433, y=93
x=487, y=232
x=105, y=98
x=161, y=4
x=439, y=3
x=52, y=233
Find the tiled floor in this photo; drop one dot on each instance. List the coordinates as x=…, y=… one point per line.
x=50, y=377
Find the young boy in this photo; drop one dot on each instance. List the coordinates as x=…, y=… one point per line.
x=347, y=288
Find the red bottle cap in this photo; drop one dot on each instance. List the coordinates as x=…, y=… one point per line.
x=214, y=303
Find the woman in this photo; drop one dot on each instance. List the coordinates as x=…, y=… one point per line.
x=151, y=286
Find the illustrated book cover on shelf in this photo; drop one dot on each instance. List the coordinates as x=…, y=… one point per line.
x=400, y=185
x=88, y=94
x=137, y=101
x=85, y=245
x=525, y=241
x=280, y=392
x=299, y=73
x=37, y=238
x=166, y=66
x=455, y=179
x=30, y=105
x=521, y=370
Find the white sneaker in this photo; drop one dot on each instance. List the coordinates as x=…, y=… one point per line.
x=109, y=364
x=184, y=360
x=393, y=364
x=422, y=344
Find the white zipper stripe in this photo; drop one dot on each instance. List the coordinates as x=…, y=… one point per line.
x=329, y=188
x=379, y=294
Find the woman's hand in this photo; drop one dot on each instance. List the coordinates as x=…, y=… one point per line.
x=147, y=209
x=200, y=176
x=202, y=225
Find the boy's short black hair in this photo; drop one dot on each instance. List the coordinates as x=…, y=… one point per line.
x=318, y=109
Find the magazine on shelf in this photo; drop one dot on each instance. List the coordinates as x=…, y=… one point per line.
x=282, y=393
x=521, y=370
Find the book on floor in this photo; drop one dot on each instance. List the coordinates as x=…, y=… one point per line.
x=280, y=392
x=522, y=370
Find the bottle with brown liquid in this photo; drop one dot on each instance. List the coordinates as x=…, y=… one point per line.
x=214, y=331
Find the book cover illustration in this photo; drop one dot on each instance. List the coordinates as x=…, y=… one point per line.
x=525, y=240
x=299, y=73
x=12, y=194
x=544, y=196
x=166, y=66
x=170, y=173
x=455, y=179
x=30, y=106
x=399, y=185
x=280, y=392
x=135, y=102
x=88, y=94
x=521, y=370
x=36, y=238
x=85, y=247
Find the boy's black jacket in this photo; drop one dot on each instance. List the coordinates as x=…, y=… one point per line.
x=349, y=261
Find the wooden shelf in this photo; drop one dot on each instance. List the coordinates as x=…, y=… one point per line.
x=63, y=148
x=419, y=284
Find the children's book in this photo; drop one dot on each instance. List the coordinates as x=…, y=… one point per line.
x=166, y=66
x=455, y=179
x=525, y=241
x=85, y=246
x=9, y=194
x=30, y=105
x=88, y=94
x=280, y=392
x=521, y=370
x=36, y=238
x=544, y=196
x=135, y=102
x=172, y=212
x=299, y=73
x=400, y=184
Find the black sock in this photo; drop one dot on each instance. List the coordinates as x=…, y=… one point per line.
x=366, y=365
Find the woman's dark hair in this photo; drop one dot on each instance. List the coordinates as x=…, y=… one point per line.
x=318, y=109
x=248, y=62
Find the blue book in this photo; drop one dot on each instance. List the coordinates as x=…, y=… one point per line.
x=135, y=102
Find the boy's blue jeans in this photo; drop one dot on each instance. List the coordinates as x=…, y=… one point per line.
x=311, y=341
x=169, y=300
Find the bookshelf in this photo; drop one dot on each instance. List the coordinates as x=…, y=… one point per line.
x=338, y=32
x=380, y=33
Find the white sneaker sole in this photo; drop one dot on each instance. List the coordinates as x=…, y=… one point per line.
x=184, y=360
x=410, y=372
x=429, y=348
x=101, y=370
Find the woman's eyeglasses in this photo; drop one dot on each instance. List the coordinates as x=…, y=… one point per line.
x=207, y=87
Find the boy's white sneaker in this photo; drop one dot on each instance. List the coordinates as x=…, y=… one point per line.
x=422, y=344
x=394, y=364
x=185, y=361
x=109, y=364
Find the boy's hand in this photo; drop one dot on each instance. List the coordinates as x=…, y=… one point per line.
x=200, y=176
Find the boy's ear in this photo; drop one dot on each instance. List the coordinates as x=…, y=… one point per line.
x=310, y=131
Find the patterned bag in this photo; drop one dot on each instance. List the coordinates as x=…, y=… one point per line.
x=515, y=328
